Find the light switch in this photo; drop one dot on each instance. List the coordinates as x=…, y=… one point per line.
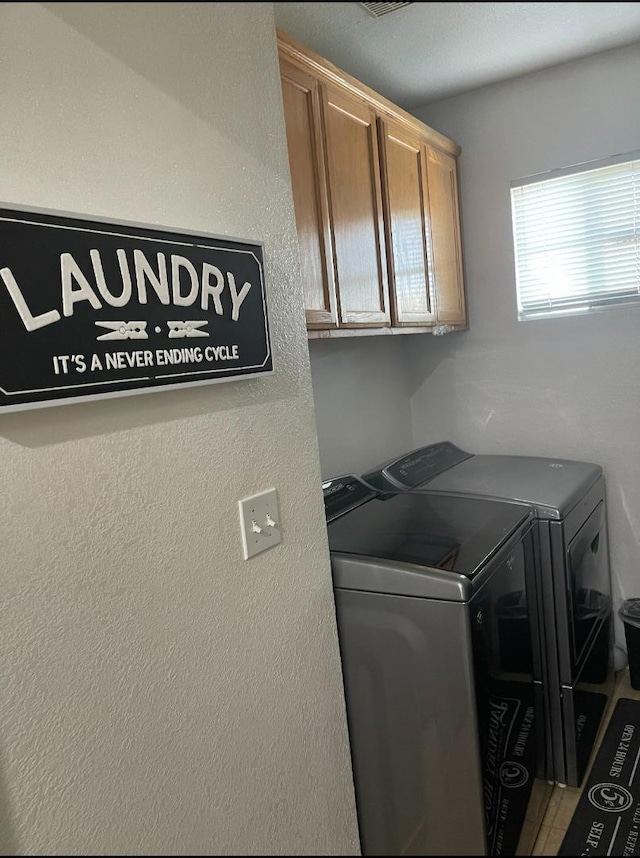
x=259, y=522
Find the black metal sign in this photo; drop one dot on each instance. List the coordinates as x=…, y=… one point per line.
x=90, y=308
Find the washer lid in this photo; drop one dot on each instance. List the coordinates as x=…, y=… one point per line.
x=420, y=540
x=551, y=486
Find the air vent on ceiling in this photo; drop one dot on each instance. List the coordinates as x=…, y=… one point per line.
x=378, y=9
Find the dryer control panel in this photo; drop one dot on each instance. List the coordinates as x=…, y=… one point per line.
x=417, y=467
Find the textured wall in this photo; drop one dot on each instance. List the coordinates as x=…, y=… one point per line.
x=159, y=694
x=362, y=401
x=564, y=387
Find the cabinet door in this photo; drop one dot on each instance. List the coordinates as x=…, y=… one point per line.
x=445, y=237
x=407, y=221
x=301, y=98
x=356, y=210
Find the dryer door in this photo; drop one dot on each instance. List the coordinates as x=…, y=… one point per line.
x=584, y=623
x=588, y=591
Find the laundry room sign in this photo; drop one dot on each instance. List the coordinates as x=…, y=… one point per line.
x=90, y=308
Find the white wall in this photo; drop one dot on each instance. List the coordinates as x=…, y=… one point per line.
x=362, y=401
x=159, y=694
x=566, y=387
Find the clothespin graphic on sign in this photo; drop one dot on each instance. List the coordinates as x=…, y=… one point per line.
x=124, y=330
x=180, y=329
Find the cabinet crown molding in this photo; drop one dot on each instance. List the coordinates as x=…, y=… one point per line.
x=300, y=55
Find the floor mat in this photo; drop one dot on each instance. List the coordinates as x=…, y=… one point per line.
x=607, y=818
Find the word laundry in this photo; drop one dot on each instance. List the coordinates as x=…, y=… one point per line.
x=174, y=282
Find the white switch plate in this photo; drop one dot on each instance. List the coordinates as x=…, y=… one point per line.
x=259, y=522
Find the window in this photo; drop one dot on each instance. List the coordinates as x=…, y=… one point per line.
x=577, y=238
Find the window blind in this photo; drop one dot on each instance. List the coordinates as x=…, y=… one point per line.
x=577, y=239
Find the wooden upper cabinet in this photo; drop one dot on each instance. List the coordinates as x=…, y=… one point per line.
x=355, y=202
x=301, y=96
x=376, y=205
x=407, y=221
x=445, y=237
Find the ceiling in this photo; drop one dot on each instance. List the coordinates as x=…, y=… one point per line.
x=423, y=52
